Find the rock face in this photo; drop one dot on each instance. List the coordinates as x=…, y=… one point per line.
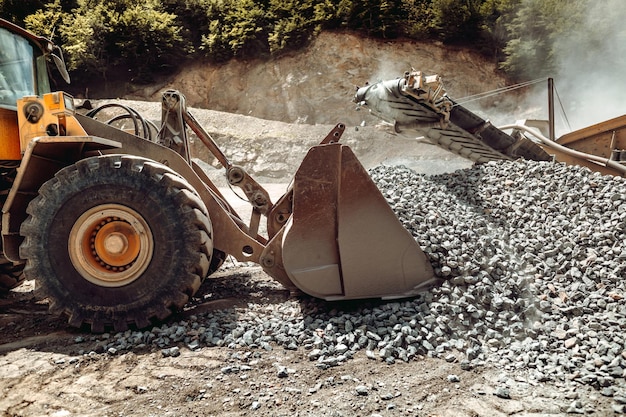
x=266, y=114
x=316, y=85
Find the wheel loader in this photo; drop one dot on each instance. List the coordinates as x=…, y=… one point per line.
x=119, y=228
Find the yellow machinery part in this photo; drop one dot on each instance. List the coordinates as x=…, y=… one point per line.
x=50, y=115
x=9, y=136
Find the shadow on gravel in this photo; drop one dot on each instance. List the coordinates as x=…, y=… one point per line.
x=466, y=187
x=230, y=290
x=26, y=323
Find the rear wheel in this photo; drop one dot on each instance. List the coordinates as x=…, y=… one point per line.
x=117, y=241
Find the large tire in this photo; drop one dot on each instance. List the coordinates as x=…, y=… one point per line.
x=117, y=241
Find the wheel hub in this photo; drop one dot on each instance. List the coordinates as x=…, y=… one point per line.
x=115, y=244
x=111, y=245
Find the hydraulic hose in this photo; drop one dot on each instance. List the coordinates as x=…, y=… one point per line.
x=552, y=144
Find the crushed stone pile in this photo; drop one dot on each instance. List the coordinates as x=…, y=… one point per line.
x=534, y=259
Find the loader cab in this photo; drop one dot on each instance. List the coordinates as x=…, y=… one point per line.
x=23, y=70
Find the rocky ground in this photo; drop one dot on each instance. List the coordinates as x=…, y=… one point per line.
x=528, y=320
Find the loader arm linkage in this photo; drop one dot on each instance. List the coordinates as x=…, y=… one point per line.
x=332, y=234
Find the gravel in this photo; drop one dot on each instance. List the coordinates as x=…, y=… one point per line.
x=534, y=257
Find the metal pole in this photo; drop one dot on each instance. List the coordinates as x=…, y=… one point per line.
x=551, y=108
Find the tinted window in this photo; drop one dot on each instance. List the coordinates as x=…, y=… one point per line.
x=16, y=68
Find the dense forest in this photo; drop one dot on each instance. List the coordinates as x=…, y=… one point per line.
x=107, y=38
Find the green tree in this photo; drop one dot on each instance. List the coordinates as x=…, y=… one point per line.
x=375, y=17
x=46, y=21
x=104, y=36
x=457, y=21
x=191, y=17
x=419, y=19
x=236, y=28
x=534, y=33
x=148, y=39
x=293, y=23
x=87, y=38
x=496, y=16
x=16, y=10
x=329, y=13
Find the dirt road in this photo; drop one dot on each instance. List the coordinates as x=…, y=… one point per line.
x=47, y=369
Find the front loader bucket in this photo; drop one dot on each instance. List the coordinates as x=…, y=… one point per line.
x=343, y=241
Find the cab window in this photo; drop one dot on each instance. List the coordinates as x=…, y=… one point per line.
x=17, y=60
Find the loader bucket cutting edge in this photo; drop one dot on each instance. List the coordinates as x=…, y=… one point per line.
x=343, y=240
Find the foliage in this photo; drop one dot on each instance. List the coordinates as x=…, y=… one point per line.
x=292, y=23
x=46, y=21
x=85, y=37
x=534, y=34
x=144, y=37
x=236, y=28
x=102, y=36
x=496, y=17
x=375, y=17
x=457, y=20
x=148, y=39
x=16, y=10
x=191, y=16
x=419, y=20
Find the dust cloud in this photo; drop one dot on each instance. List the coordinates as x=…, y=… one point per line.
x=588, y=68
x=587, y=40
x=591, y=64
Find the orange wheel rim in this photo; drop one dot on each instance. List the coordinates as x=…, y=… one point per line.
x=111, y=245
x=116, y=244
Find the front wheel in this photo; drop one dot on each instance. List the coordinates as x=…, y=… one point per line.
x=117, y=241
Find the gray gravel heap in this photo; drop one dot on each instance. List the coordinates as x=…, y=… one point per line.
x=534, y=256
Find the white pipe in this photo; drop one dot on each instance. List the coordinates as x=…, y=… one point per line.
x=552, y=144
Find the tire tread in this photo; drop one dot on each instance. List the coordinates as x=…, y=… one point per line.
x=198, y=247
